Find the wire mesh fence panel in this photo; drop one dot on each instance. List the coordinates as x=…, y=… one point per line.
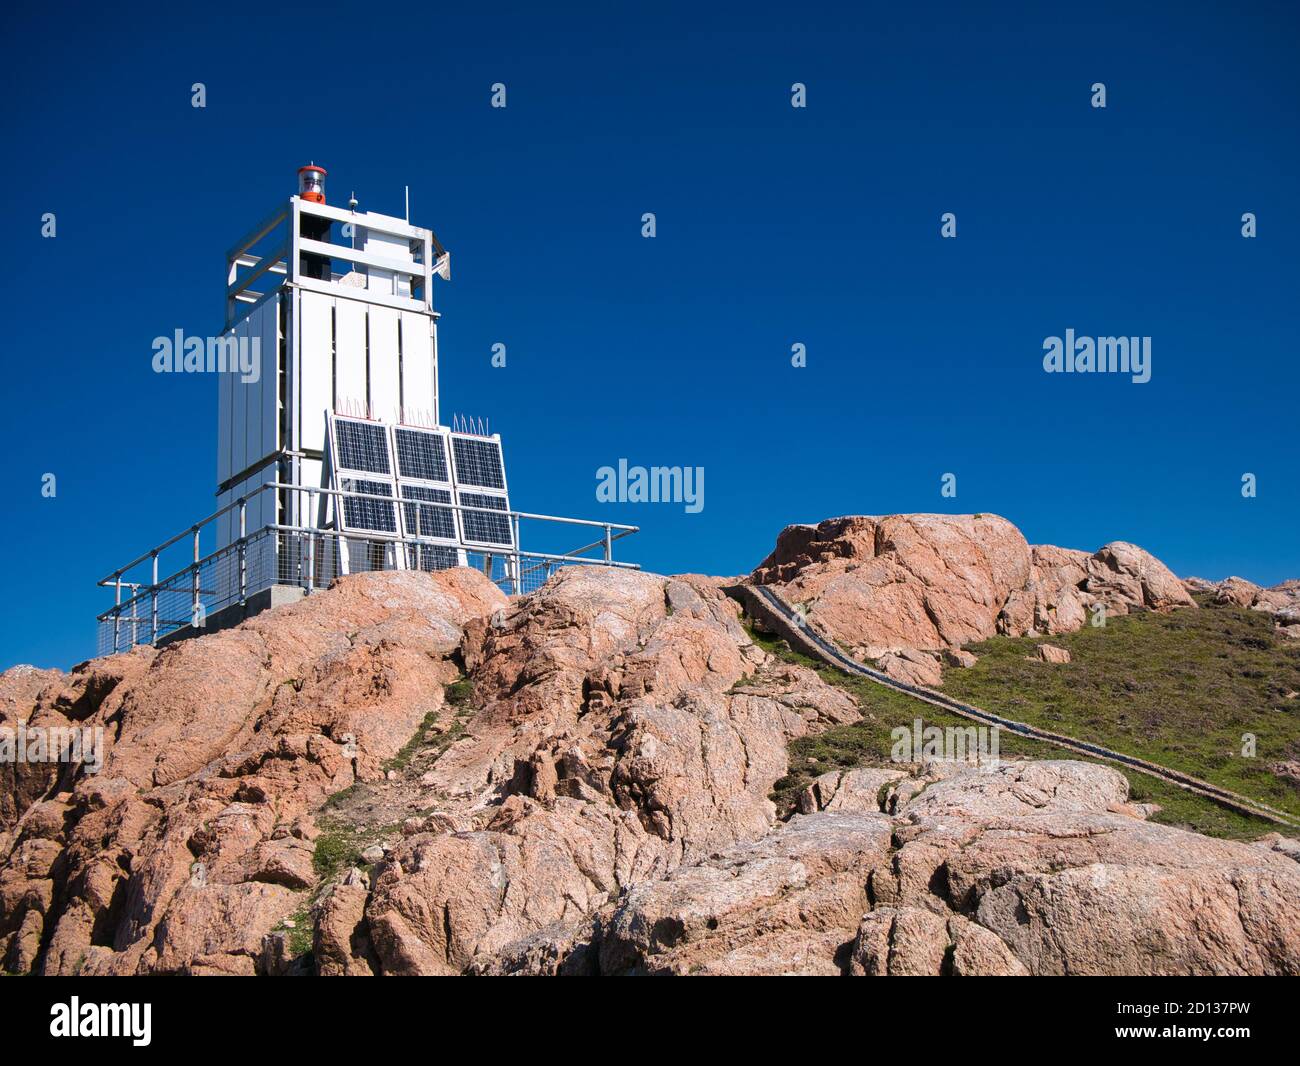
x=166, y=591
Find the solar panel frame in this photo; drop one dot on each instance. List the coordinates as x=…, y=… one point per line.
x=417, y=479
x=366, y=442
x=480, y=528
x=379, y=458
x=478, y=465
x=364, y=515
x=362, y=461
x=424, y=518
x=411, y=466
x=478, y=462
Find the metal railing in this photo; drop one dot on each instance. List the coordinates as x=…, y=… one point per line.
x=157, y=593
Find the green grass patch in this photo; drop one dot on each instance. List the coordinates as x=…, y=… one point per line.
x=299, y=928
x=460, y=694
x=1180, y=689
x=339, y=846
x=459, y=697
x=403, y=758
x=342, y=796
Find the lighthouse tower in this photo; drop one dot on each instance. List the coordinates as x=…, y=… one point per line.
x=332, y=456
x=347, y=326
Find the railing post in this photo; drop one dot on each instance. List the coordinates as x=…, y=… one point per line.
x=609, y=545
x=243, y=552
x=194, y=602
x=117, y=610
x=153, y=600
x=517, y=579
x=311, y=540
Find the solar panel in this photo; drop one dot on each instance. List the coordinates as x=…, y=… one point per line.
x=478, y=462
x=362, y=446
x=366, y=514
x=421, y=455
x=423, y=520
x=485, y=528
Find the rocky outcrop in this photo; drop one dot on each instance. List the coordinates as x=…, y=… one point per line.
x=980, y=872
x=193, y=840
x=914, y=942
x=411, y=774
x=623, y=724
x=914, y=581
x=1055, y=599
x=1021, y=869
x=907, y=591
x=1282, y=601
x=1124, y=578
x=628, y=726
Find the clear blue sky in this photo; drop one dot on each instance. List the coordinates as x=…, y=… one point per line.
x=775, y=226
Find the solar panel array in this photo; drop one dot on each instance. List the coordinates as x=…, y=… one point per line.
x=421, y=469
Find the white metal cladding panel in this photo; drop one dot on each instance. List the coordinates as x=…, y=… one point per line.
x=316, y=390
x=224, y=522
x=311, y=476
x=350, y=369
x=418, y=378
x=391, y=247
x=253, y=512
x=250, y=393
x=237, y=434
x=270, y=375
x=433, y=371
x=223, y=427
x=263, y=396
x=260, y=510
x=385, y=374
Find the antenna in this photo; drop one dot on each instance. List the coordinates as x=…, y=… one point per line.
x=408, y=205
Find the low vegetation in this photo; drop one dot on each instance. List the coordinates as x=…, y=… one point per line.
x=298, y=930
x=868, y=742
x=1187, y=689
x=1180, y=689
x=367, y=813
